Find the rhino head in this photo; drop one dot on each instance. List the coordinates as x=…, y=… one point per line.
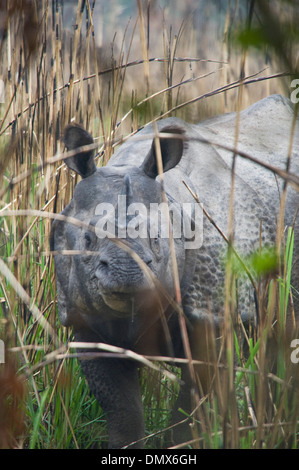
x=120, y=246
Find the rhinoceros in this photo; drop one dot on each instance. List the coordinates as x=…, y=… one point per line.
x=122, y=283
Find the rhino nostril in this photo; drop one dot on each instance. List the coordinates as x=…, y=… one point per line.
x=104, y=262
x=102, y=269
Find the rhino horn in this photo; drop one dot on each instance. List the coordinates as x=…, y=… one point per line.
x=122, y=211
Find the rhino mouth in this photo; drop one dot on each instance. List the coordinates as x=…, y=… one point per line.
x=124, y=302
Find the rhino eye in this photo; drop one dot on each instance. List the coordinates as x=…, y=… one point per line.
x=156, y=244
x=87, y=239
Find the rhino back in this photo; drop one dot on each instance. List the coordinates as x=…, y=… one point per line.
x=265, y=130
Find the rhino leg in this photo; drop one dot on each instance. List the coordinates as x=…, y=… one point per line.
x=202, y=337
x=114, y=382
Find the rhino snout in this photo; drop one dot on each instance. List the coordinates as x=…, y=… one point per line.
x=121, y=281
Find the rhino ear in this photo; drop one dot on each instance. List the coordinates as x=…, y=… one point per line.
x=75, y=136
x=171, y=150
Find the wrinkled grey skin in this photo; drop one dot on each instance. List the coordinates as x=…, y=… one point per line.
x=107, y=297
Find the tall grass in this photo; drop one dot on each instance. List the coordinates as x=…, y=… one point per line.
x=53, y=76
